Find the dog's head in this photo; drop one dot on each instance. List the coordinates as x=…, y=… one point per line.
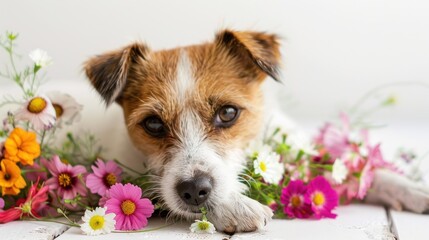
x=191, y=110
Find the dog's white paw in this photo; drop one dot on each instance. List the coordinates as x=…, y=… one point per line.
x=398, y=192
x=240, y=214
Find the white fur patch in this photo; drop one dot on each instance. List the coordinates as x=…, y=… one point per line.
x=195, y=154
x=185, y=80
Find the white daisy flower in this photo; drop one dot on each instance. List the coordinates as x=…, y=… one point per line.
x=202, y=226
x=97, y=222
x=66, y=107
x=299, y=142
x=339, y=171
x=267, y=164
x=40, y=58
x=39, y=111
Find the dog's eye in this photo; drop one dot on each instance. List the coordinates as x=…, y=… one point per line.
x=154, y=126
x=226, y=116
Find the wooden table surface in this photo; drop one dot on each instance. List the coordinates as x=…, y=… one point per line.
x=358, y=222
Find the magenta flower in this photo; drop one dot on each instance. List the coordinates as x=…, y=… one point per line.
x=322, y=197
x=65, y=179
x=131, y=210
x=293, y=198
x=105, y=175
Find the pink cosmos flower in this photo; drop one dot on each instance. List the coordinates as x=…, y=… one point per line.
x=293, y=198
x=322, y=197
x=335, y=139
x=374, y=161
x=131, y=210
x=105, y=175
x=65, y=179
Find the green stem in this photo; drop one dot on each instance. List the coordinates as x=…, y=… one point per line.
x=60, y=211
x=42, y=139
x=15, y=72
x=367, y=95
x=54, y=221
x=324, y=166
x=32, y=83
x=24, y=171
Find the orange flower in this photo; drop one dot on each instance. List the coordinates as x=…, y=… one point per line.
x=11, y=180
x=22, y=146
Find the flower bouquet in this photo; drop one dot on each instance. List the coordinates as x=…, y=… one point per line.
x=42, y=181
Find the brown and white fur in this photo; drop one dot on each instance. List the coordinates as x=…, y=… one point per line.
x=186, y=88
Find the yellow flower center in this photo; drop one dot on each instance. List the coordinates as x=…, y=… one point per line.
x=295, y=201
x=36, y=105
x=58, y=110
x=318, y=199
x=96, y=222
x=26, y=208
x=263, y=166
x=203, y=225
x=64, y=180
x=110, y=179
x=128, y=207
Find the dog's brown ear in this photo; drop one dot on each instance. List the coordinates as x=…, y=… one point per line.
x=259, y=50
x=108, y=72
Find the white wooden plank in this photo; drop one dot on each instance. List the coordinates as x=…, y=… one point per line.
x=354, y=222
x=31, y=230
x=358, y=222
x=411, y=226
x=175, y=231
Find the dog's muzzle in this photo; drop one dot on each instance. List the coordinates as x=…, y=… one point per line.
x=196, y=191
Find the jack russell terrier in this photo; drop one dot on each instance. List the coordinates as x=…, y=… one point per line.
x=193, y=110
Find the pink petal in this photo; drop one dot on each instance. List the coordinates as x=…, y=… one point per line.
x=80, y=188
x=119, y=222
x=77, y=170
x=116, y=191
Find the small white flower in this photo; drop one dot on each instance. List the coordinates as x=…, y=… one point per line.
x=268, y=165
x=299, y=142
x=66, y=107
x=202, y=226
x=40, y=58
x=39, y=111
x=97, y=222
x=339, y=171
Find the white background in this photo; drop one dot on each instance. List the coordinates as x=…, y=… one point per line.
x=334, y=51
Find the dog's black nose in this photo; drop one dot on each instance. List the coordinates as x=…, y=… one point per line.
x=196, y=191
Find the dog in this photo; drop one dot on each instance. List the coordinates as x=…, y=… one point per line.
x=193, y=110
